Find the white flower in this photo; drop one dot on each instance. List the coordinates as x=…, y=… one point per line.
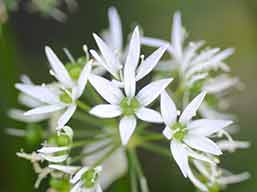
x=59, y=153
x=193, y=66
x=71, y=85
x=130, y=105
x=84, y=179
x=188, y=135
x=231, y=146
x=113, y=168
x=111, y=62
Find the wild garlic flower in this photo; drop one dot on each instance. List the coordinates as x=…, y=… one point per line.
x=187, y=135
x=84, y=179
x=56, y=150
x=192, y=66
x=111, y=62
x=72, y=81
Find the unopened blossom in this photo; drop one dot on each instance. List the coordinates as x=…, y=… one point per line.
x=231, y=146
x=72, y=81
x=83, y=179
x=111, y=62
x=58, y=150
x=217, y=178
x=192, y=65
x=189, y=137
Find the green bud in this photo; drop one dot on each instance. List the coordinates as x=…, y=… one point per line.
x=129, y=106
x=60, y=184
x=60, y=140
x=34, y=134
x=89, y=178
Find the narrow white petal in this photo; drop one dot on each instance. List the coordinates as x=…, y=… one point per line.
x=231, y=146
x=202, y=144
x=18, y=115
x=232, y=179
x=129, y=80
x=106, y=89
x=44, y=109
x=54, y=159
x=150, y=63
x=106, y=111
x=82, y=81
x=78, y=175
x=167, y=132
x=28, y=101
x=50, y=150
x=102, y=63
x=65, y=169
x=77, y=187
x=134, y=49
x=42, y=93
x=168, y=109
x=115, y=29
x=66, y=116
x=109, y=56
x=181, y=157
x=127, y=127
x=153, y=42
x=177, y=35
x=149, y=115
x=150, y=92
x=190, y=111
x=59, y=70
x=206, y=127
x=98, y=188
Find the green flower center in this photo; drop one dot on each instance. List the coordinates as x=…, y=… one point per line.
x=180, y=131
x=129, y=106
x=89, y=178
x=65, y=98
x=75, y=69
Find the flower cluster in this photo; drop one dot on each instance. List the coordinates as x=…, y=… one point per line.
x=113, y=109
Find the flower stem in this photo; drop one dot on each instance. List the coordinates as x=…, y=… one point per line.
x=141, y=177
x=132, y=173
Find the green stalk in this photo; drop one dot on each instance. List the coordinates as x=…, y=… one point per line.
x=142, y=180
x=132, y=173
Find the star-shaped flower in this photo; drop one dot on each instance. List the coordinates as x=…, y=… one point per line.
x=72, y=81
x=189, y=137
x=84, y=179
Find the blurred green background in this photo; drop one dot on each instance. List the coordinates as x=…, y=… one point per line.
x=229, y=23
